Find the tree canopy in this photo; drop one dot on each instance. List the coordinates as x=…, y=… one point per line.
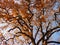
x=29, y=22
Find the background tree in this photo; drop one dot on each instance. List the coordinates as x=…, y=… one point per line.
x=29, y=22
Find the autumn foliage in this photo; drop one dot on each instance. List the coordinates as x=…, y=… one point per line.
x=26, y=15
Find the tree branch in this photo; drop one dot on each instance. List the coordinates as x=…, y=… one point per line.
x=53, y=42
x=14, y=28
x=47, y=33
x=32, y=39
x=36, y=33
x=52, y=34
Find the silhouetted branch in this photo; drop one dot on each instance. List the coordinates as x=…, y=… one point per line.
x=47, y=33
x=47, y=26
x=56, y=14
x=53, y=42
x=37, y=33
x=32, y=39
x=24, y=34
x=50, y=30
x=14, y=28
x=52, y=33
x=20, y=18
x=30, y=10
